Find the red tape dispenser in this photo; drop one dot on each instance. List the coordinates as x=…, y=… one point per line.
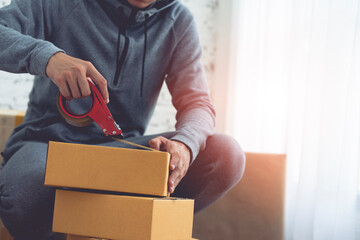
x=98, y=113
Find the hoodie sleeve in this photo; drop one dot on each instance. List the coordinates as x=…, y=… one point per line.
x=190, y=95
x=24, y=26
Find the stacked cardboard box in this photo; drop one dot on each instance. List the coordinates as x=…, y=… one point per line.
x=76, y=237
x=9, y=119
x=123, y=194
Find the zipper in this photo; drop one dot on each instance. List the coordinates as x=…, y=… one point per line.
x=121, y=59
x=125, y=49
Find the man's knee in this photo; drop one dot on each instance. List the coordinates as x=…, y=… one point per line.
x=25, y=203
x=230, y=158
x=27, y=211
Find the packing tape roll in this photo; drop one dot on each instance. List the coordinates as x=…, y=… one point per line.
x=77, y=122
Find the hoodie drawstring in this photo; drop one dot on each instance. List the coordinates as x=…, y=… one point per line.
x=158, y=6
x=120, y=58
x=117, y=73
x=144, y=56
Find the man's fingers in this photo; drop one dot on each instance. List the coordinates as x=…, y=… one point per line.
x=158, y=143
x=174, y=179
x=84, y=86
x=64, y=90
x=74, y=87
x=89, y=79
x=64, y=68
x=100, y=81
x=175, y=160
x=179, y=162
x=177, y=181
x=155, y=143
x=176, y=168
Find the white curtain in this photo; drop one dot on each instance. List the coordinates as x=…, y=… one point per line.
x=296, y=90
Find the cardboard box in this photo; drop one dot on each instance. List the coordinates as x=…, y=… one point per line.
x=9, y=119
x=77, y=237
x=4, y=234
x=122, y=217
x=107, y=168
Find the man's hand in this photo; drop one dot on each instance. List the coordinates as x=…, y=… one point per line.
x=180, y=158
x=70, y=75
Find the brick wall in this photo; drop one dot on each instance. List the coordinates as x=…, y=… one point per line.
x=14, y=88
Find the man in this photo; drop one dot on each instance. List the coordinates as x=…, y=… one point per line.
x=127, y=48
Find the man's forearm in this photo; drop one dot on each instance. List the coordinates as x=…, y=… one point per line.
x=22, y=53
x=194, y=126
x=23, y=45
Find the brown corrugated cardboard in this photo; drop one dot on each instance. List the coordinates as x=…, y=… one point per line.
x=9, y=119
x=254, y=208
x=76, y=237
x=122, y=217
x=4, y=234
x=107, y=168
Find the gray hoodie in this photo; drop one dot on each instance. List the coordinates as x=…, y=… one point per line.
x=136, y=50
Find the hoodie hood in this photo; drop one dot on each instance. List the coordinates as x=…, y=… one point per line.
x=142, y=13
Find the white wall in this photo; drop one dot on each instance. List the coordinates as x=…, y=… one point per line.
x=14, y=88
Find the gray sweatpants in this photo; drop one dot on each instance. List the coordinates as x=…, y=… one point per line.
x=26, y=205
